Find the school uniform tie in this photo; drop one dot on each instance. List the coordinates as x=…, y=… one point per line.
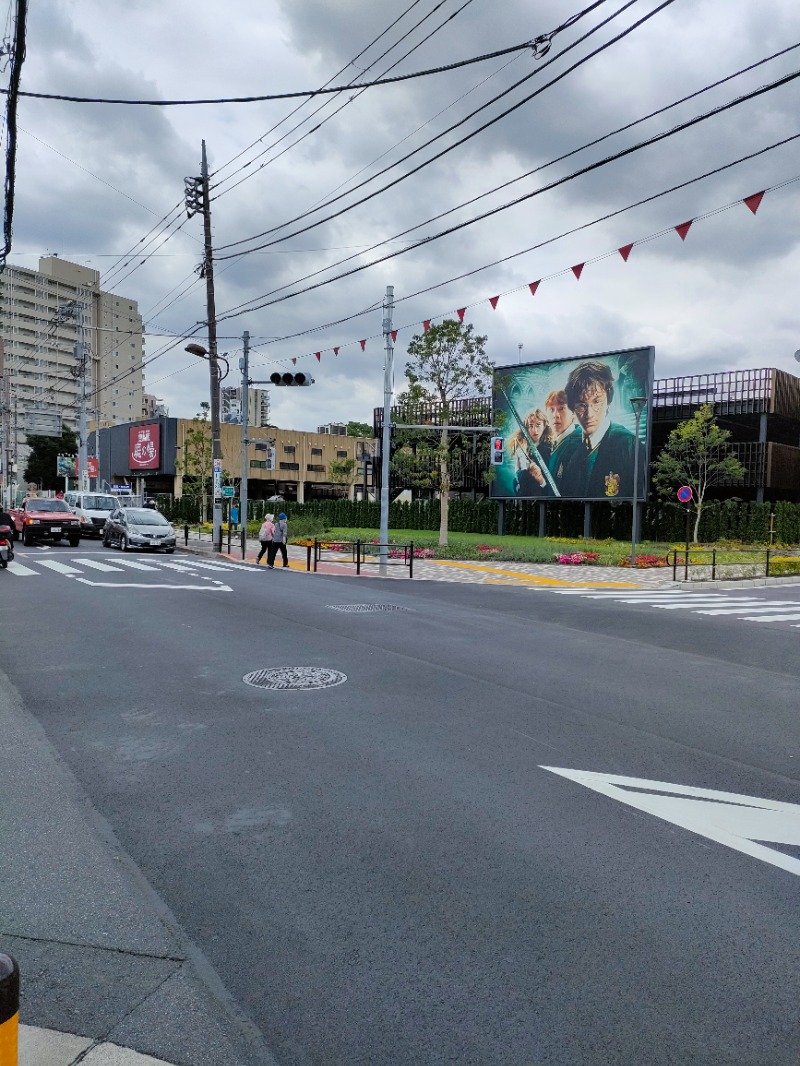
x=587, y=443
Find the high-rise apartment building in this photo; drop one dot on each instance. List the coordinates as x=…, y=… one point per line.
x=47, y=317
x=258, y=409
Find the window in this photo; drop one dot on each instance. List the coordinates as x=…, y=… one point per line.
x=288, y=449
x=341, y=455
x=290, y=466
x=315, y=468
x=258, y=464
x=316, y=451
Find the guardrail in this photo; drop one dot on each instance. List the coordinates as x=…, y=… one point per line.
x=710, y=564
x=361, y=553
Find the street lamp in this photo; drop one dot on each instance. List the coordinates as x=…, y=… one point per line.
x=216, y=445
x=638, y=403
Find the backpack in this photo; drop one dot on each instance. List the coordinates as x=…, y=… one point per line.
x=266, y=531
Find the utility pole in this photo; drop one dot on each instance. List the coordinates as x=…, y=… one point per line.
x=83, y=431
x=5, y=428
x=244, y=365
x=199, y=200
x=388, y=376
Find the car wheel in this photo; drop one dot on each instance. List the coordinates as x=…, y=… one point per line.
x=15, y=533
x=123, y=543
x=26, y=540
x=106, y=542
x=74, y=542
x=3, y=564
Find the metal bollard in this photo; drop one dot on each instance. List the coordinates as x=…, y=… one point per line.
x=9, y=1010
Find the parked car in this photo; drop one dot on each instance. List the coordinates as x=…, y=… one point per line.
x=138, y=527
x=40, y=518
x=92, y=508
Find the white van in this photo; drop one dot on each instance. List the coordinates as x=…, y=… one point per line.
x=93, y=508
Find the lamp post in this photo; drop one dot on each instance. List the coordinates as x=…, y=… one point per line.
x=216, y=445
x=638, y=403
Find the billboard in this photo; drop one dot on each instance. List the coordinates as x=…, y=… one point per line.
x=568, y=427
x=145, y=447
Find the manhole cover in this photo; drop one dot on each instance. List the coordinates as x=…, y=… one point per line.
x=362, y=608
x=303, y=677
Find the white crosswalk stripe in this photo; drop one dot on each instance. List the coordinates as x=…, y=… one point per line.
x=138, y=566
x=95, y=565
x=748, y=608
x=184, y=564
x=21, y=571
x=60, y=568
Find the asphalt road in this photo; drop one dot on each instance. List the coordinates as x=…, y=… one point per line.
x=391, y=870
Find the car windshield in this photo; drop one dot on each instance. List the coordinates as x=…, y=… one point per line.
x=98, y=503
x=146, y=518
x=47, y=505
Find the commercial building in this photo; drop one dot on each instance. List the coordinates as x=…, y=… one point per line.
x=173, y=455
x=48, y=318
x=258, y=406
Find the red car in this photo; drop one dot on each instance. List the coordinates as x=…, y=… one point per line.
x=43, y=519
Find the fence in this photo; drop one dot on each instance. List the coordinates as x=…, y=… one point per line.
x=362, y=553
x=710, y=564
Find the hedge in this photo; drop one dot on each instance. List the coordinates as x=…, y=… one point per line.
x=736, y=520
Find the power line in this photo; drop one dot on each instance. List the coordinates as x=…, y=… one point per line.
x=538, y=169
x=347, y=103
x=623, y=153
x=455, y=125
x=307, y=93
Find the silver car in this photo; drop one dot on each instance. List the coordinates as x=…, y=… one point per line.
x=138, y=527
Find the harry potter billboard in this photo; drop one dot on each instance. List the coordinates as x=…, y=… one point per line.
x=569, y=428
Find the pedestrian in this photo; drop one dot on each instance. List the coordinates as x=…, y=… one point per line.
x=279, y=537
x=235, y=516
x=265, y=536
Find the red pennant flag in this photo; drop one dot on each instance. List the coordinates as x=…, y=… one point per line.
x=294, y=362
x=578, y=270
x=363, y=345
x=335, y=351
x=493, y=300
x=683, y=229
x=534, y=285
x=317, y=356
x=625, y=251
x=754, y=201
x=394, y=335
x=461, y=312
x=426, y=325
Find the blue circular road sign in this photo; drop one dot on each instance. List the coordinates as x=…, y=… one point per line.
x=684, y=494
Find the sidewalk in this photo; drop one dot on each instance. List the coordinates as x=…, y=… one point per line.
x=107, y=977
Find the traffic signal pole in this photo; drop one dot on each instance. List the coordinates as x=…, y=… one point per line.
x=208, y=269
x=245, y=368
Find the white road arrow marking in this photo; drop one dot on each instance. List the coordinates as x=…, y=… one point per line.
x=738, y=822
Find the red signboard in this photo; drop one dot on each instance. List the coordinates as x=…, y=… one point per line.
x=93, y=466
x=145, y=447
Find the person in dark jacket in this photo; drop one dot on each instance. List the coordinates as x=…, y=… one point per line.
x=602, y=466
x=525, y=484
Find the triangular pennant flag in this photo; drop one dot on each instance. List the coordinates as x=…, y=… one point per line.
x=534, y=285
x=335, y=351
x=754, y=201
x=493, y=300
x=294, y=362
x=426, y=325
x=625, y=251
x=683, y=229
x=363, y=345
x=461, y=312
x=317, y=356
x=577, y=270
x=394, y=335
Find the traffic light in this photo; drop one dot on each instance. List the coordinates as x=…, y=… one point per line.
x=291, y=379
x=498, y=453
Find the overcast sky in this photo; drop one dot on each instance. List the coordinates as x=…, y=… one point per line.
x=94, y=180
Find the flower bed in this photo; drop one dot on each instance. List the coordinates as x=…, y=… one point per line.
x=644, y=562
x=576, y=558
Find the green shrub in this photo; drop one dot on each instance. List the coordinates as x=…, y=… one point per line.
x=783, y=566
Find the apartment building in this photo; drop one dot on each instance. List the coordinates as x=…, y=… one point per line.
x=46, y=316
x=258, y=406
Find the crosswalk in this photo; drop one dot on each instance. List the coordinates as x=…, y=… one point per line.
x=712, y=604
x=83, y=566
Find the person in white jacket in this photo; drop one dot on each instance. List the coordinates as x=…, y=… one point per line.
x=265, y=535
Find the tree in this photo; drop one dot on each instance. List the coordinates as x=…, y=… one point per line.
x=342, y=471
x=359, y=429
x=696, y=454
x=41, y=466
x=196, y=464
x=449, y=363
